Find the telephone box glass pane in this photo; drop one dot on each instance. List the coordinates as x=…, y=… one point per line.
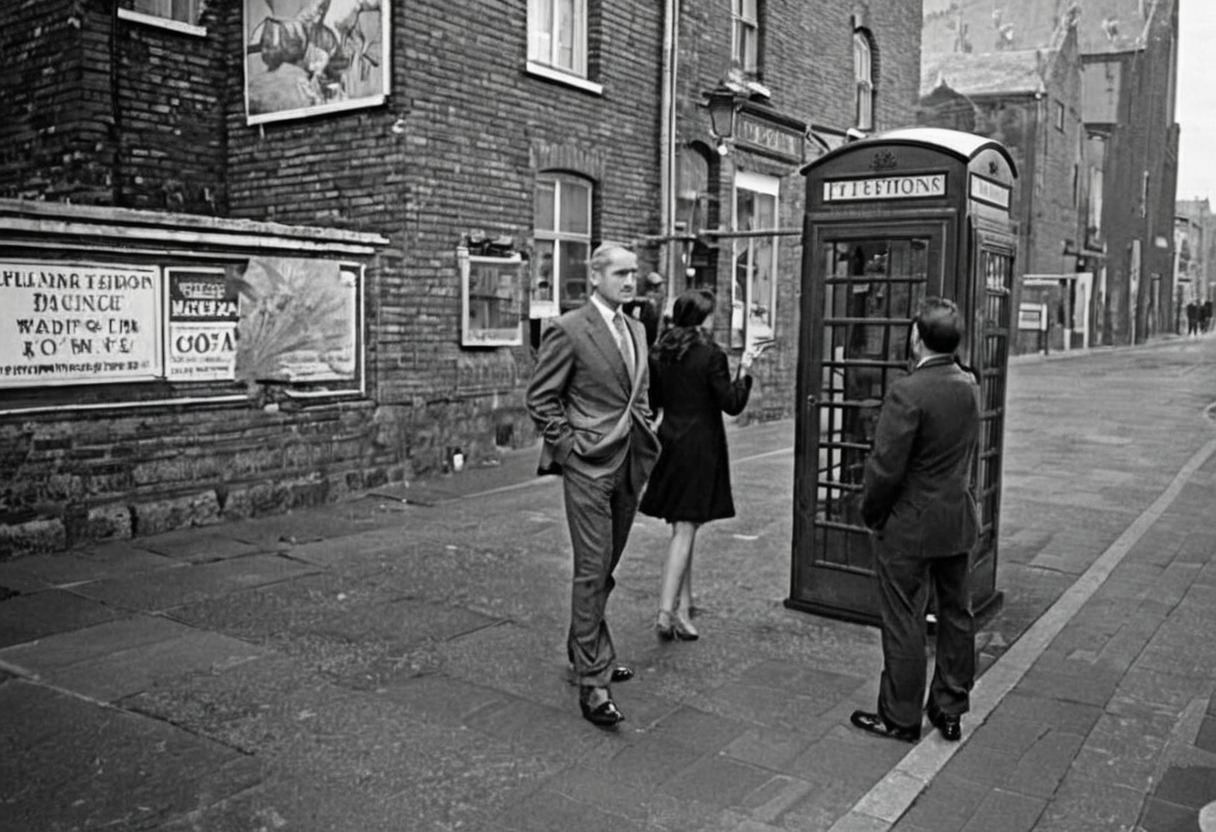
x=872, y=290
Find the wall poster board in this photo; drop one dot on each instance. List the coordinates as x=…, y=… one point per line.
x=306, y=57
x=293, y=321
x=77, y=323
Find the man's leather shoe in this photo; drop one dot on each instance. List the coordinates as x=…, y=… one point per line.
x=622, y=673
x=949, y=725
x=598, y=708
x=875, y=724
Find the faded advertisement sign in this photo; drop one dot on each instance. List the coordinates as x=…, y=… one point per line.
x=72, y=323
x=203, y=316
x=299, y=321
x=305, y=57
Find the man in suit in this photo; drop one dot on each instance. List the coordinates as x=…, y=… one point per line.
x=588, y=398
x=917, y=501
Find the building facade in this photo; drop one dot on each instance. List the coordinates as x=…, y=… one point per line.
x=1129, y=173
x=340, y=226
x=1029, y=100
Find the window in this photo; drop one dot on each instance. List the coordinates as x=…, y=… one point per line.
x=557, y=35
x=183, y=11
x=562, y=230
x=745, y=34
x=179, y=15
x=863, y=71
x=1060, y=116
x=754, y=287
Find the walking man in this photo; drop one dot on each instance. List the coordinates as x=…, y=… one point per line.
x=916, y=500
x=588, y=398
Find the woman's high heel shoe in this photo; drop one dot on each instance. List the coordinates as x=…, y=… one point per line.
x=664, y=627
x=684, y=629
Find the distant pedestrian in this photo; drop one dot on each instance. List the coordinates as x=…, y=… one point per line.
x=1205, y=316
x=1192, y=318
x=648, y=307
x=588, y=398
x=691, y=384
x=916, y=499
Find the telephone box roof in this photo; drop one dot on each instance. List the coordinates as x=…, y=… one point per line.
x=964, y=146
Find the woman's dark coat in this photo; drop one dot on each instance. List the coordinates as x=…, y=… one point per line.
x=691, y=480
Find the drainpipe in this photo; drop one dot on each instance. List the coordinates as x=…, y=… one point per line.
x=667, y=138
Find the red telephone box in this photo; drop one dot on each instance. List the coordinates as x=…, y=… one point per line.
x=889, y=221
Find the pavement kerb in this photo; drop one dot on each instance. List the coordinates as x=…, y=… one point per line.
x=881, y=807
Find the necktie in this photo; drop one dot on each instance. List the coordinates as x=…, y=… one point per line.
x=624, y=341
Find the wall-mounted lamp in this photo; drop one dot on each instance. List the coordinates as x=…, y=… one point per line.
x=723, y=104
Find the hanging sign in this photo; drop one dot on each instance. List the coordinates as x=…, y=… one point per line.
x=76, y=323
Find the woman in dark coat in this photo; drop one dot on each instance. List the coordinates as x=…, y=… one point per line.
x=690, y=485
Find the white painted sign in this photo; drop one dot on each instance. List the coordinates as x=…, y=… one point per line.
x=992, y=193
x=76, y=323
x=886, y=187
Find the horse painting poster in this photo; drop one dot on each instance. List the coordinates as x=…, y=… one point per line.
x=306, y=57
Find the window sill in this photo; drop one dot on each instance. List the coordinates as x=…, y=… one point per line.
x=163, y=23
x=551, y=74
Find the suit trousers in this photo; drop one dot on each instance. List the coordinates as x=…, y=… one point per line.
x=904, y=583
x=599, y=513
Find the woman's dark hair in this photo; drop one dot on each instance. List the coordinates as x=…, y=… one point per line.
x=687, y=314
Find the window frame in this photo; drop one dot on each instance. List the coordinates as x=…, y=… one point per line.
x=168, y=21
x=548, y=65
x=558, y=302
x=748, y=62
x=760, y=185
x=863, y=77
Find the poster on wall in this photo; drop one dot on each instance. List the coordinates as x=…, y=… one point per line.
x=299, y=321
x=78, y=323
x=306, y=57
x=203, y=313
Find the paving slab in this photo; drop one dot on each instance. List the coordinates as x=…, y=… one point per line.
x=197, y=545
x=111, y=560
x=83, y=766
x=169, y=588
x=26, y=618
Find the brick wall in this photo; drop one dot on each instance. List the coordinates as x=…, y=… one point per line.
x=472, y=130
x=54, y=131
x=806, y=60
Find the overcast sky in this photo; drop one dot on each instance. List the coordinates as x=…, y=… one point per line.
x=1197, y=99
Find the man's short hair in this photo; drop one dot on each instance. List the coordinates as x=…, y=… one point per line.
x=599, y=257
x=940, y=325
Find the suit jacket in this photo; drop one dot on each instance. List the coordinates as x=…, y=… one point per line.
x=916, y=493
x=589, y=411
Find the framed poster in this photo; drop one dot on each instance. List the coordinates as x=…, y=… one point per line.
x=203, y=313
x=492, y=300
x=300, y=321
x=79, y=323
x=307, y=57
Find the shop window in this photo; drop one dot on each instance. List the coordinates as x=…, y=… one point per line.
x=745, y=35
x=557, y=38
x=562, y=234
x=863, y=71
x=754, y=287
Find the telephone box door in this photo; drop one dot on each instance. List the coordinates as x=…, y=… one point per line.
x=865, y=284
x=993, y=260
